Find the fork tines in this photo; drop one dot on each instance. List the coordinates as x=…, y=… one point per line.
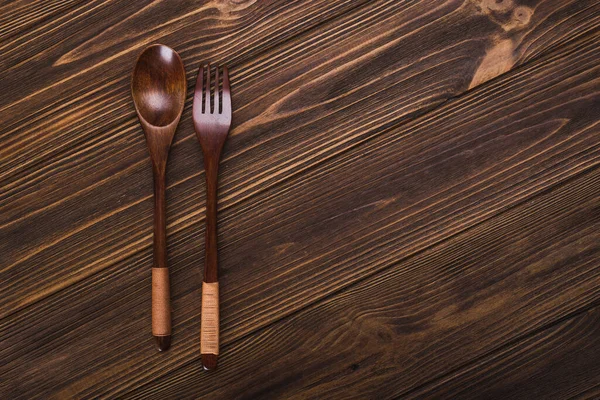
x=221, y=103
x=211, y=129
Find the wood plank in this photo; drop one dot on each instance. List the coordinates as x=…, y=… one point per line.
x=427, y=181
x=72, y=172
x=69, y=38
x=91, y=175
x=49, y=116
x=18, y=16
x=556, y=363
x=487, y=291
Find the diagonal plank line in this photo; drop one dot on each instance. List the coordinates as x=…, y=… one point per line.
x=23, y=14
x=587, y=394
x=391, y=124
x=135, y=47
x=340, y=290
x=555, y=181
x=368, y=138
x=378, y=132
x=499, y=349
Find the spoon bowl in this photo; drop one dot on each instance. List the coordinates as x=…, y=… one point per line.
x=159, y=85
x=158, y=88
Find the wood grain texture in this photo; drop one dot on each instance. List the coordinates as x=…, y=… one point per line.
x=462, y=301
x=211, y=123
x=365, y=135
x=264, y=154
x=561, y=356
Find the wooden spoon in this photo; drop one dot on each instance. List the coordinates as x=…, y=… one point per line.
x=158, y=87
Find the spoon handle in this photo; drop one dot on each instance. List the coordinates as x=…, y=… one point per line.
x=209, y=325
x=161, y=307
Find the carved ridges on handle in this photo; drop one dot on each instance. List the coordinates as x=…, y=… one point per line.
x=209, y=324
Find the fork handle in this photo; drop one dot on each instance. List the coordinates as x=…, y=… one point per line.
x=209, y=324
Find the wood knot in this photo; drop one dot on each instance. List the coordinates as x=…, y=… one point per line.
x=505, y=13
x=519, y=19
x=522, y=15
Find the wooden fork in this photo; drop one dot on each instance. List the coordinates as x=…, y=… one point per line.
x=212, y=124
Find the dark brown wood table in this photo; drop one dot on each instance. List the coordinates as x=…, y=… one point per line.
x=409, y=200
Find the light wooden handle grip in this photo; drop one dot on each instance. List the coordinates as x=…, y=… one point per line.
x=161, y=308
x=209, y=324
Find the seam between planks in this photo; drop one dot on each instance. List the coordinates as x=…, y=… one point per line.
x=392, y=125
x=573, y=314
x=133, y=48
x=499, y=349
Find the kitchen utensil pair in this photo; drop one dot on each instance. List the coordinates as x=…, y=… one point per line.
x=158, y=89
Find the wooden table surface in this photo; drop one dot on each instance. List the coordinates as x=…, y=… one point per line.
x=409, y=200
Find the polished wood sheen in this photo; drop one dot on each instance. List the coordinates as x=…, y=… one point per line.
x=408, y=201
x=212, y=119
x=158, y=88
